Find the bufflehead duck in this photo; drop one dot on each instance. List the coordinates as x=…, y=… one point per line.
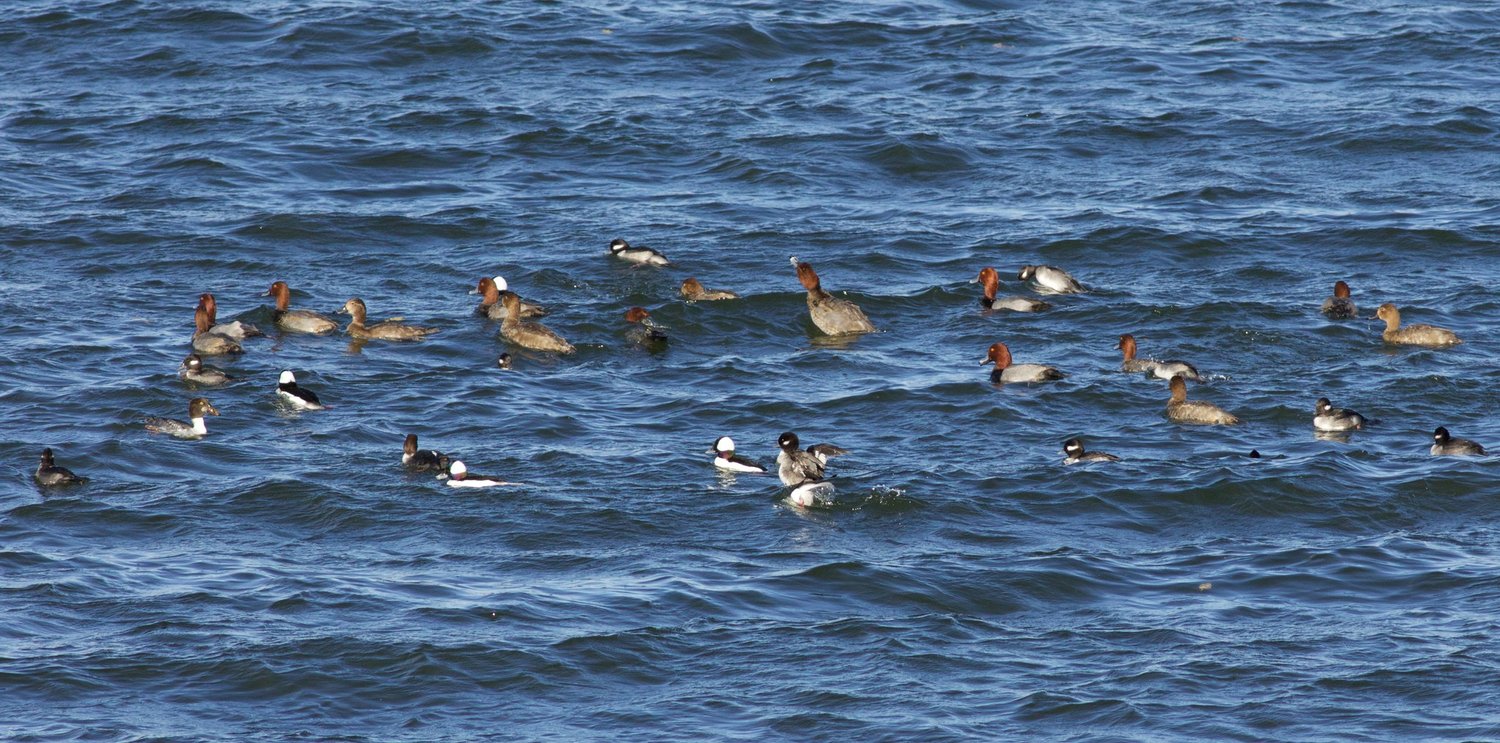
x=296, y=321
x=1051, y=278
x=48, y=474
x=504, y=361
x=296, y=396
x=1339, y=306
x=1182, y=410
x=693, y=291
x=990, y=278
x=1326, y=417
x=206, y=341
x=526, y=334
x=193, y=370
x=802, y=472
x=643, y=330
x=1442, y=443
x=1412, y=335
x=1005, y=372
x=643, y=255
x=1073, y=448
x=726, y=459
x=1158, y=369
x=460, y=477
x=421, y=459
x=830, y=314
x=234, y=329
x=390, y=330
x=491, y=291
x=197, y=408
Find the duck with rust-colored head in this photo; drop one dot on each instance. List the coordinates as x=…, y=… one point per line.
x=830, y=314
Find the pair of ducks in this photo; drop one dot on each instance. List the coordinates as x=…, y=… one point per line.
x=802, y=470
x=1341, y=306
x=453, y=472
x=287, y=390
x=499, y=303
x=214, y=338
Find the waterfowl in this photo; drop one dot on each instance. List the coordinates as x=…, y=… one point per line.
x=643, y=255
x=390, y=330
x=1073, y=449
x=527, y=334
x=693, y=291
x=830, y=314
x=1158, y=369
x=802, y=472
x=296, y=321
x=1005, y=372
x=234, y=329
x=490, y=292
x=49, y=474
x=459, y=476
x=289, y=392
x=1339, y=306
x=990, y=278
x=825, y=452
x=1182, y=410
x=1443, y=444
x=504, y=361
x=643, y=330
x=193, y=370
x=1326, y=417
x=197, y=408
x=726, y=459
x=1052, y=279
x=421, y=459
x=1412, y=335
x=206, y=341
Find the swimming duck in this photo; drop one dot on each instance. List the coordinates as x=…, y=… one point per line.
x=990, y=278
x=48, y=474
x=1073, y=448
x=526, y=334
x=390, y=330
x=298, y=397
x=1158, y=369
x=643, y=330
x=802, y=472
x=643, y=255
x=296, y=321
x=421, y=459
x=1326, y=417
x=234, y=329
x=206, y=341
x=1005, y=372
x=504, y=361
x=693, y=291
x=491, y=291
x=460, y=477
x=1182, y=410
x=726, y=459
x=1412, y=335
x=1339, y=306
x=197, y=408
x=1442, y=444
x=193, y=370
x=830, y=314
x=1051, y=278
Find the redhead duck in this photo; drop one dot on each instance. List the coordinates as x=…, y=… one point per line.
x=1158, y=369
x=206, y=341
x=234, y=330
x=1339, y=306
x=490, y=292
x=990, y=278
x=1005, y=372
x=643, y=330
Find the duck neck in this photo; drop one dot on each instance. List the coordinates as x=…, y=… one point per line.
x=198, y=426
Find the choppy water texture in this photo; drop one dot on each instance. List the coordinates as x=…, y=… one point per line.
x=1208, y=168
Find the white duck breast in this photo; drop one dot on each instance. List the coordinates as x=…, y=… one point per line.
x=643, y=255
x=460, y=477
x=812, y=494
x=296, y=396
x=726, y=459
x=1329, y=418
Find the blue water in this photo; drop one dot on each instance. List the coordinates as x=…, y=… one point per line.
x=1208, y=169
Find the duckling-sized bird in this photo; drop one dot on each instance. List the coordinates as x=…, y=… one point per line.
x=643, y=330
x=1326, y=417
x=1005, y=372
x=197, y=408
x=1443, y=444
x=390, y=330
x=459, y=476
x=726, y=459
x=503, y=362
x=1074, y=453
x=527, y=334
x=1051, y=279
x=693, y=291
x=1339, y=306
x=1158, y=369
x=830, y=314
x=491, y=291
x=296, y=321
x=1182, y=410
x=990, y=278
x=421, y=460
x=802, y=472
x=288, y=391
x=205, y=341
x=642, y=255
x=1412, y=335
x=193, y=370
x=49, y=474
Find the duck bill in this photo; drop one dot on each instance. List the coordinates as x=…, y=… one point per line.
x=987, y=361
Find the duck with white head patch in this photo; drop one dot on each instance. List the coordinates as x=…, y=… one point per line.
x=49, y=474
x=1051, y=279
x=492, y=291
x=459, y=476
x=1007, y=373
x=288, y=391
x=1445, y=445
x=1340, y=306
x=802, y=471
x=421, y=460
x=1074, y=453
x=726, y=459
x=642, y=255
x=990, y=278
x=830, y=314
x=1326, y=417
x=193, y=370
x=197, y=408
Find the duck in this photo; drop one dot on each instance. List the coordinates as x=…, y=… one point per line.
x=990, y=278
x=802, y=472
x=643, y=330
x=1412, y=335
x=831, y=315
x=1051, y=279
x=49, y=474
x=390, y=330
x=197, y=408
x=1444, y=444
x=726, y=459
x=1005, y=372
x=1339, y=306
x=460, y=477
x=234, y=329
x=205, y=341
x=1326, y=417
x=490, y=292
x=693, y=291
x=642, y=255
x=526, y=334
x=298, y=397
x=421, y=460
x=1182, y=410
x=504, y=361
x=1157, y=369
x=1073, y=448
x=193, y=370
x=296, y=321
